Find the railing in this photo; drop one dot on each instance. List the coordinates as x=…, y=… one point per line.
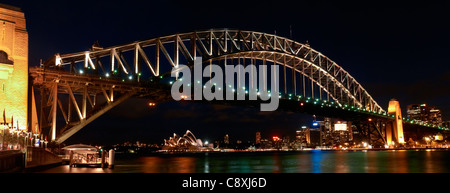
x=12, y=138
x=82, y=159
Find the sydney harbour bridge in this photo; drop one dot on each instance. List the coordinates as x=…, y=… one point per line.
x=68, y=91
x=79, y=87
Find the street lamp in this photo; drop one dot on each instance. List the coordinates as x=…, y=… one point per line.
x=427, y=139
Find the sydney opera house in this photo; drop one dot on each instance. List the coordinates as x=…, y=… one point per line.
x=187, y=142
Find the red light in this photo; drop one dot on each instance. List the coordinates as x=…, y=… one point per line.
x=301, y=104
x=370, y=119
x=275, y=138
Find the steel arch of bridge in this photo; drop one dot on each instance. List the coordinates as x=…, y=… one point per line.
x=231, y=44
x=211, y=45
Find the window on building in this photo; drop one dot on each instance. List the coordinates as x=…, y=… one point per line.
x=4, y=58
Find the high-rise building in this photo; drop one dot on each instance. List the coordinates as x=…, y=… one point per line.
x=286, y=142
x=435, y=116
x=446, y=124
x=315, y=138
x=414, y=112
x=226, y=139
x=423, y=112
x=303, y=136
x=258, y=138
x=266, y=144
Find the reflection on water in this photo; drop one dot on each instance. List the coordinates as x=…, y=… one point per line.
x=280, y=162
x=162, y=165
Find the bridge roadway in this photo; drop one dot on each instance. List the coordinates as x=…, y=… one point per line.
x=46, y=78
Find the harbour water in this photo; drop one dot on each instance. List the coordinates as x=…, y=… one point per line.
x=316, y=161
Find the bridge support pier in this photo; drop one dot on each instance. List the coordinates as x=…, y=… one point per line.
x=397, y=125
x=388, y=134
x=14, y=66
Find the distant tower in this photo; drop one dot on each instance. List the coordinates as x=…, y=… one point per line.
x=258, y=137
x=397, y=124
x=226, y=139
x=14, y=65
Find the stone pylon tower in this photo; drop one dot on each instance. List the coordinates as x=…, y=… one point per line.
x=396, y=127
x=13, y=65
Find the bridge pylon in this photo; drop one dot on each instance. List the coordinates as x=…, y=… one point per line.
x=394, y=129
x=14, y=65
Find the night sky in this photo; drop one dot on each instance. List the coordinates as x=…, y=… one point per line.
x=395, y=50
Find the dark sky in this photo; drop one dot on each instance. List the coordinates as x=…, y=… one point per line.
x=395, y=50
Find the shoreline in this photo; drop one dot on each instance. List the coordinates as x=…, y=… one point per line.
x=163, y=153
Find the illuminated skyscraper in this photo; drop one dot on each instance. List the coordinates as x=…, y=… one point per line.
x=413, y=112
x=303, y=136
x=423, y=112
x=226, y=139
x=258, y=138
x=435, y=116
